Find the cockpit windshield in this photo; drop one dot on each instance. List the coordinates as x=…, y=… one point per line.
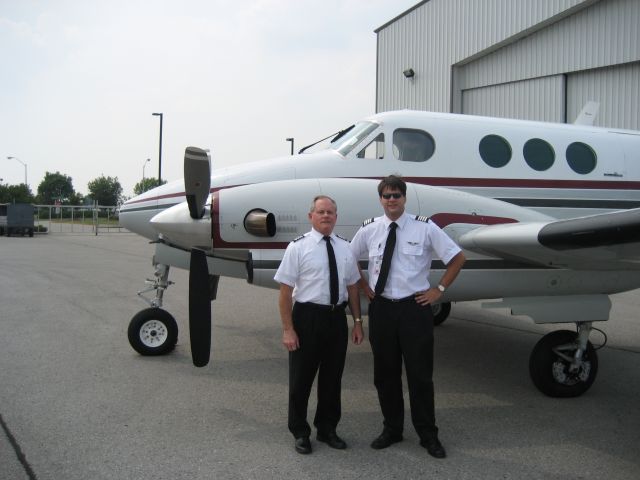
x=344, y=145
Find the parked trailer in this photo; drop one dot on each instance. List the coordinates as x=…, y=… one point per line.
x=16, y=219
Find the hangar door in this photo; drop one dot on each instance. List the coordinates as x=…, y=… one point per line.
x=617, y=89
x=534, y=99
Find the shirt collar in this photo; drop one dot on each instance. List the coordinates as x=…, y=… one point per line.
x=317, y=236
x=400, y=221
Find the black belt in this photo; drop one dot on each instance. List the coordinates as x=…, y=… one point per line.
x=396, y=300
x=319, y=306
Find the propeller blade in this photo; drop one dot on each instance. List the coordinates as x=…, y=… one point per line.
x=197, y=179
x=199, y=308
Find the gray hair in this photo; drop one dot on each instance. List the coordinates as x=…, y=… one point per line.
x=321, y=197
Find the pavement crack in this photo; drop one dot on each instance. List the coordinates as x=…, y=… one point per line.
x=16, y=448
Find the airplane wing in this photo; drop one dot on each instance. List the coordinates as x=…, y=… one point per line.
x=608, y=241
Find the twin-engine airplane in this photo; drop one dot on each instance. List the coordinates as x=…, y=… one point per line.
x=547, y=215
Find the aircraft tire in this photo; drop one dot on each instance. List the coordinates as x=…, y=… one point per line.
x=550, y=373
x=153, y=331
x=441, y=312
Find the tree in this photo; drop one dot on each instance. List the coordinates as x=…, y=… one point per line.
x=16, y=194
x=55, y=186
x=147, y=184
x=105, y=190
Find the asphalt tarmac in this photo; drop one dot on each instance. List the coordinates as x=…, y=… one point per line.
x=76, y=402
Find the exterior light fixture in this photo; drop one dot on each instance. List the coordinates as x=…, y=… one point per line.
x=409, y=73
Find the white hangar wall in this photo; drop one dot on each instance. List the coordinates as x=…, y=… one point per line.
x=532, y=59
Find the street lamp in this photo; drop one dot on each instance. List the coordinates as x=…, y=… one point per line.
x=291, y=140
x=144, y=165
x=25, y=168
x=159, y=150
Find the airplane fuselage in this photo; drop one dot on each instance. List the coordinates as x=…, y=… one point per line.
x=561, y=170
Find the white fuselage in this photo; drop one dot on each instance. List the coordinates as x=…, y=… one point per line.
x=540, y=171
x=456, y=162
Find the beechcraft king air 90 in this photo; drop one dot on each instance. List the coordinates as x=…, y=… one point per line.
x=548, y=216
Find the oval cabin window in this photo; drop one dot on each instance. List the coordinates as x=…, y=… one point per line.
x=538, y=154
x=581, y=158
x=495, y=151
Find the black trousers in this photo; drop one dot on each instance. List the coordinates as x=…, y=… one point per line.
x=323, y=336
x=403, y=331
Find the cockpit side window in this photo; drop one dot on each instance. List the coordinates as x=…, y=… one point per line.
x=411, y=145
x=374, y=150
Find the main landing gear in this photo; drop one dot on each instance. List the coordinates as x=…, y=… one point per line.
x=154, y=331
x=564, y=363
x=441, y=312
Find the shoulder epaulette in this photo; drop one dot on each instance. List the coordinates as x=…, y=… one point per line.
x=368, y=221
x=342, y=238
x=298, y=238
x=422, y=218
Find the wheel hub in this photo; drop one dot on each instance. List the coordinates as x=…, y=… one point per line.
x=153, y=333
x=563, y=375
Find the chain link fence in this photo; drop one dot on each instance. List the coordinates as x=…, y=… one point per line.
x=77, y=219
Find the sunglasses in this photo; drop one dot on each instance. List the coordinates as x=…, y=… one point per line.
x=387, y=196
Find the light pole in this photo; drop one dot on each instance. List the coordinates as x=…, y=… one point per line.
x=144, y=165
x=25, y=168
x=291, y=140
x=159, y=150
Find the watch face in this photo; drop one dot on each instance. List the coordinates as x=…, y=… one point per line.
x=441, y=288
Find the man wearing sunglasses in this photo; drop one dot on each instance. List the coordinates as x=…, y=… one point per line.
x=400, y=248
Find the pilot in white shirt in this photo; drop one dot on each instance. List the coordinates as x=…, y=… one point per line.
x=400, y=248
x=417, y=242
x=304, y=266
x=314, y=328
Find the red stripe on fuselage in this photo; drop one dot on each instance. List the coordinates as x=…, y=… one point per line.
x=471, y=182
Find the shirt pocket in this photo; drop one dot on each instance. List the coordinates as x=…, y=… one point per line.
x=412, y=254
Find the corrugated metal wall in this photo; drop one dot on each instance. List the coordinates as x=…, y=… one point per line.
x=513, y=100
x=616, y=88
x=441, y=33
x=507, y=58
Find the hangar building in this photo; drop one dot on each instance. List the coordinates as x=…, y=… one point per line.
x=528, y=59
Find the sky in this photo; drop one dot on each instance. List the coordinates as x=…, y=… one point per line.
x=80, y=79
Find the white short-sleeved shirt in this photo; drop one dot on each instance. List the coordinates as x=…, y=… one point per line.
x=305, y=266
x=417, y=241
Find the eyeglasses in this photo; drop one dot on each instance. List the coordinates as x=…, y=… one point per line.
x=387, y=196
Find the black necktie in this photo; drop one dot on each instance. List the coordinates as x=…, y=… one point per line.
x=333, y=272
x=386, y=258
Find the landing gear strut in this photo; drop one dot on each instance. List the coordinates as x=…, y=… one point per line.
x=564, y=363
x=154, y=331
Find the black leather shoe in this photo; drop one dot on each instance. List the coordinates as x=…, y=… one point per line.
x=385, y=439
x=434, y=447
x=303, y=445
x=332, y=439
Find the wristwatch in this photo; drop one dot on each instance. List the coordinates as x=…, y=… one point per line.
x=357, y=320
x=442, y=288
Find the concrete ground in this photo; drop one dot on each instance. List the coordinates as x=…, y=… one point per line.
x=76, y=402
